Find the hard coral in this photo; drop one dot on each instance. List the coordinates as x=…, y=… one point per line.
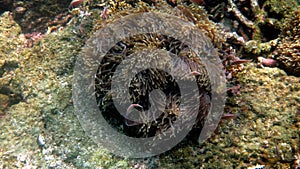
x=288, y=50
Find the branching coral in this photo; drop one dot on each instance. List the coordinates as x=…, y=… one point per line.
x=260, y=27
x=256, y=22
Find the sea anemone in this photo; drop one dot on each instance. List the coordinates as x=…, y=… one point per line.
x=167, y=96
x=164, y=105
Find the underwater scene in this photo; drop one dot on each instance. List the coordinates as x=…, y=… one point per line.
x=150, y=84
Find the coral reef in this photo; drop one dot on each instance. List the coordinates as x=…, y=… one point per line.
x=10, y=44
x=265, y=133
x=40, y=77
x=37, y=121
x=263, y=29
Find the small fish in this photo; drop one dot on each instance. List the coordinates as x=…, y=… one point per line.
x=267, y=62
x=75, y=3
x=198, y=2
x=229, y=116
x=129, y=109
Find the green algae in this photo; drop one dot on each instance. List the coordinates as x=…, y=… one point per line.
x=44, y=91
x=10, y=42
x=274, y=112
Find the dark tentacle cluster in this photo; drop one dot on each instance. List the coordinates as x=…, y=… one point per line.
x=165, y=104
